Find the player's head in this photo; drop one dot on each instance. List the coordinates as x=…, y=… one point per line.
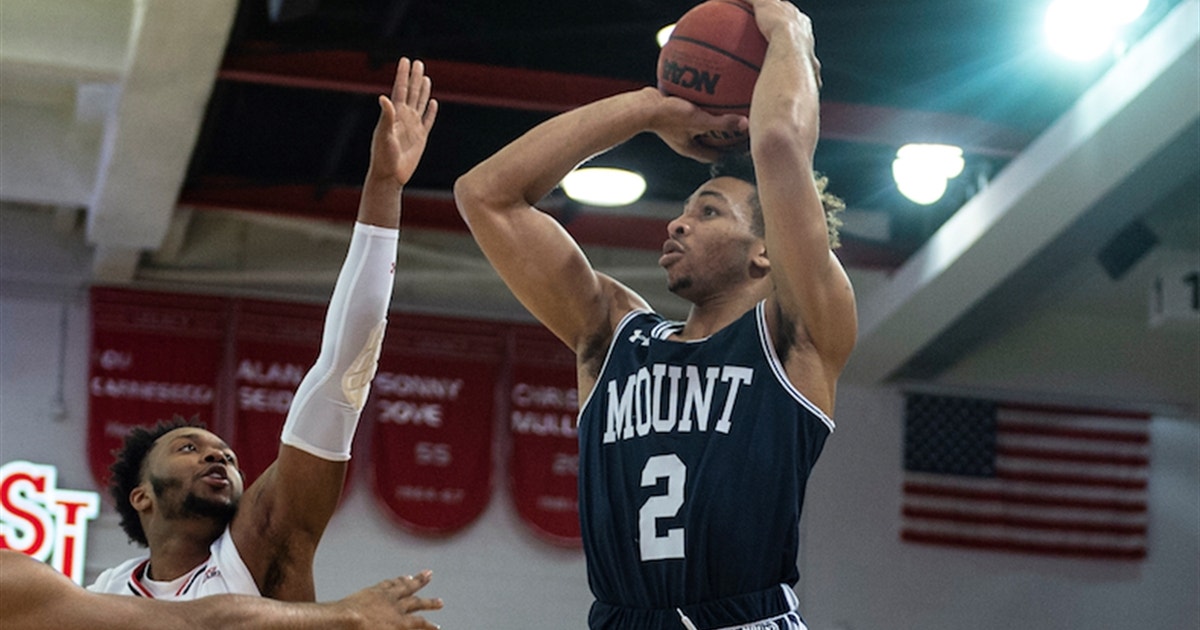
x=178, y=469
x=717, y=242
x=740, y=166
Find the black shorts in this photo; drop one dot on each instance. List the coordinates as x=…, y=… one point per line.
x=771, y=609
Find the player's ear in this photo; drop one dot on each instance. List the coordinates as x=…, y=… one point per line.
x=760, y=265
x=140, y=498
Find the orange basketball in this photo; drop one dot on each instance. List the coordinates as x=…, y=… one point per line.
x=712, y=59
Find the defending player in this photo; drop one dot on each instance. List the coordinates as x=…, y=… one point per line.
x=696, y=437
x=35, y=596
x=178, y=487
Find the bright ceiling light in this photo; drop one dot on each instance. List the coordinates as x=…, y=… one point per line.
x=922, y=171
x=1123, y=11
x=664, y=34
x=1085, y=29
x=601, y=186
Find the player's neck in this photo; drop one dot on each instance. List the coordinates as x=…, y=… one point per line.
x=181, y=547
x=711, y=313
x=710, y=316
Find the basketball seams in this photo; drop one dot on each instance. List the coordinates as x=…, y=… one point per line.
x=738, y=106
x=714, y=43
x=721, y=51
x=738, y=4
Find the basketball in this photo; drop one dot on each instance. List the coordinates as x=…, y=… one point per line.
x=712, y=59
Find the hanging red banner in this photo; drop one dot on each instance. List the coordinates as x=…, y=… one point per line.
x=153, y=356
x=274, y=346
x=432, y=408
x=543, y=412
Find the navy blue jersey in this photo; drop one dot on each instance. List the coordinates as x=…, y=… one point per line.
x=693, y=460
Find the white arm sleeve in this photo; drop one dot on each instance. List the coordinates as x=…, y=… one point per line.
x=328, y=402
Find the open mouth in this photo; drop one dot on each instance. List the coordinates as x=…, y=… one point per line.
x=671, y=251
x=216, y=475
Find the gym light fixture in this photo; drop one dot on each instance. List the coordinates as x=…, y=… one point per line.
x=603, y=186
x=922, y=171
x=664, y=34
x=1083, y=30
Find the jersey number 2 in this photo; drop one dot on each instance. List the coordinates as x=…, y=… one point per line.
x=669, y=545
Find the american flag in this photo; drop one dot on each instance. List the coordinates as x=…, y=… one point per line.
x=1030, y=479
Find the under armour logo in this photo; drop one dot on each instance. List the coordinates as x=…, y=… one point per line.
x=639, y=337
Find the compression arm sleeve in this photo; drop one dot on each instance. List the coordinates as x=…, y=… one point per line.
x=328, y=402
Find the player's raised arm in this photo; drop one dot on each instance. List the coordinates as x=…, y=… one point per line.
x=284, y=513
x=811, y=288
x=534, y=255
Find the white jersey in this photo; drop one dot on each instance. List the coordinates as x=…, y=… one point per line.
x=223, y=572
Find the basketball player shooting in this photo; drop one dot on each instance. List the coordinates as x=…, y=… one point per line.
x=696, y=437
x=178, y=487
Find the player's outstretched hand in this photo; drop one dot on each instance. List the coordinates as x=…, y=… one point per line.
x=391, y=603
x=405, y=120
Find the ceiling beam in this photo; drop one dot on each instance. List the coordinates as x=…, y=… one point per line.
x=435, y=210
x=553, y=92
x=174, y=52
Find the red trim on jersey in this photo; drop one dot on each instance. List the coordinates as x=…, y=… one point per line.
x=139, y=573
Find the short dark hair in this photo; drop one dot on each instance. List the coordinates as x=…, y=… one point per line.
x=128, y=467
x=740, y=165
